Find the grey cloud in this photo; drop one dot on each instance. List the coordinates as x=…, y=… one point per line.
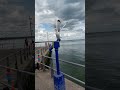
x=69, y=10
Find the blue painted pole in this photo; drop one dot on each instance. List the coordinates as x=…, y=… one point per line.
x=57, y=61
x=59, y=82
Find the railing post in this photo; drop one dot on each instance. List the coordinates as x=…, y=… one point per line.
x=27, y=50
x=38, y=56
x=24, y=54
x=43, y=61
x=59, y=82
x=8, y=62
x=51, y=61
x=8, y=74
x=16, y=63
x=21, y=57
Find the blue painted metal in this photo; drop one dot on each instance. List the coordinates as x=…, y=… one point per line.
x=59, y=82
x=56, y=46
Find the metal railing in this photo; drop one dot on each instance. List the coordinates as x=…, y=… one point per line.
x=15, y=75
x=71, y=77
x=68, y=62
x=16, y=63
x=64, y=61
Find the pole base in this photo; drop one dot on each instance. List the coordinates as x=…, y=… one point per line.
x=59, y=82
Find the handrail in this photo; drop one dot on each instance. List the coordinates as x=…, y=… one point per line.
x=8, y=85
x=76, y=64
x=12, y=54
x=67, y=75
x=17, y=70
x=13, y=69
x=44, y=41
x=83, y=83
x=8, y=55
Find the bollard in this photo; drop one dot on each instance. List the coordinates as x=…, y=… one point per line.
x=59, y=81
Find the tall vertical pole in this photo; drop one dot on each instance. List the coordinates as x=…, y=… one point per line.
x=59, y=81
x=51, y=61
x=56, y=46
x=30, y=25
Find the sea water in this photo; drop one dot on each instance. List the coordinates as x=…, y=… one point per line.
x=72, y=51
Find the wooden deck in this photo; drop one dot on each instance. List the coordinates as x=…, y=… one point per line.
x=43, y=81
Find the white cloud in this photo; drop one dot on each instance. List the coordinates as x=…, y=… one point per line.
x=46, y=11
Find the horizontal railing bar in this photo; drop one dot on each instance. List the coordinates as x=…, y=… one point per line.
x=8, y=56
x=11, y=38
x=92, y=88
x=8, y=85
x=44, y=41
x=54, y=41
x=11, y=54
x=67, y=75
x=74, y=78
x=80, y=65
x=17, y=70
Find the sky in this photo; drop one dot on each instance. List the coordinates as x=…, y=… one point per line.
x=14, y=17
x=70, y=11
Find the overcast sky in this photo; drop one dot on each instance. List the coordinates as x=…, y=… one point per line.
x=71, y=11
